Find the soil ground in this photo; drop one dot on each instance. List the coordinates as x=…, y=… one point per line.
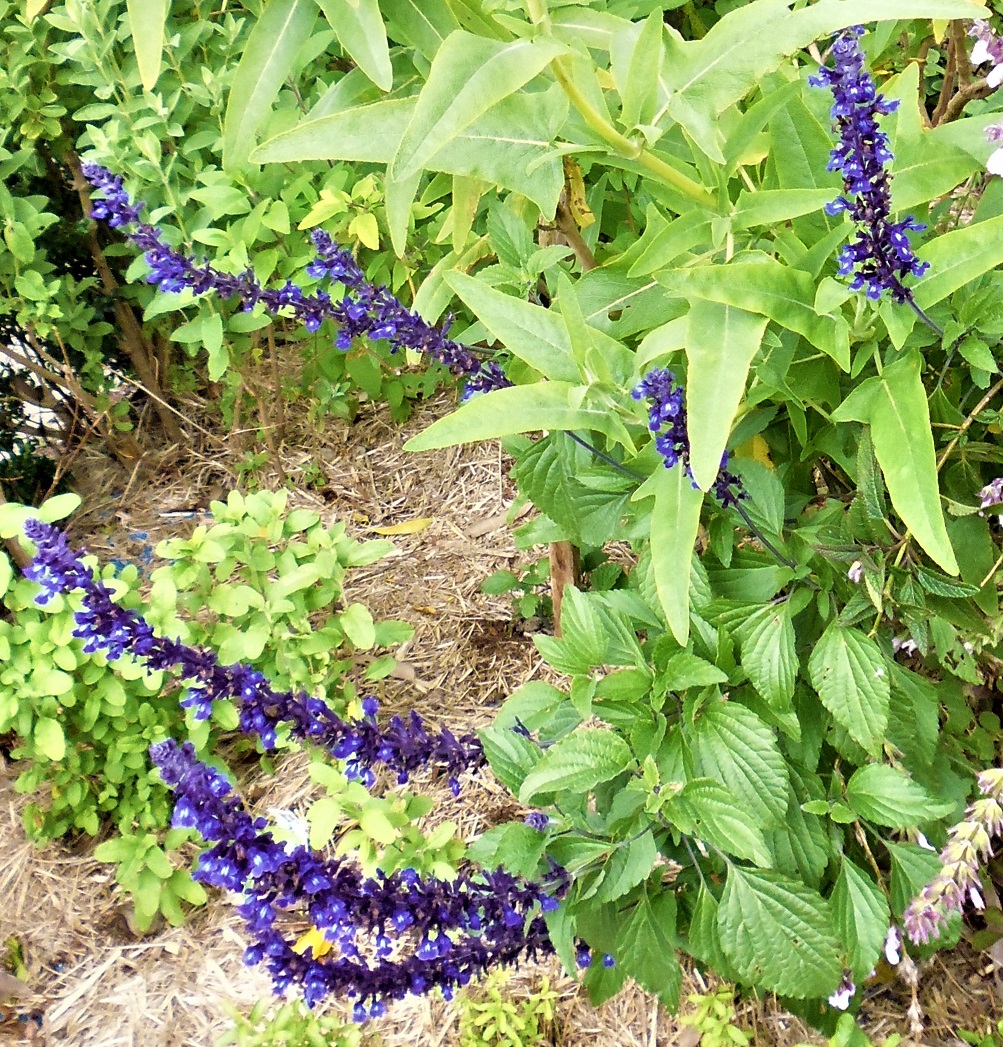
x=99, y=985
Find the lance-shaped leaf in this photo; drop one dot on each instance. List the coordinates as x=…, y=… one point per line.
x=895, y=405
x=675, y=520
x=269, y=54
x=861, y=914
x=518, y=409
x=847, y=670
x=468, y=77
x=721, y=343
x=360, y=30
x=579, y=762
x=146, y=25
x=779, y=934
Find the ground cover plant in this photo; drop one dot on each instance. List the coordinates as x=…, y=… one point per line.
x=733, y=305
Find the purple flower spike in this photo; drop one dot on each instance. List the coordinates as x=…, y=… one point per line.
x=881, y=256
x=366, y=310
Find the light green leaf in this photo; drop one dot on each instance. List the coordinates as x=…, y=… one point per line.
x=57, y=508
x=636, y=60
x=731, y=744
x=912, y=869
x=271, y=49
x=721, y=343
x=424, y=24
x=769, y=655
x=770, y=288
x=358, y=625
x=903, y=443
x=511, y=754
x=324, y=816
x=146, y=26
x=675, y=520
x=957, y=258
x=779, y=934
x=469, y=76
x=49, y=738
x=887, y=796
x=847, y=670
x=774, y=206
x=645, y=947
x=6, y=573
x=534, y=334
x=579, y=762
x=518, y=409
x=710, y=811
x=860, y=911
x=361, y=33
x=626, y=867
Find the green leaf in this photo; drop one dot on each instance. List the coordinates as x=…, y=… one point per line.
x=6, y=573
x=912, y=869
x=57, y=508
x=887, y=796
x=49, y=738
x=769, y=655
x=847, y=670
x=779, y=934
x=770, y=288
x=861, y=914
x=358, y=625
x=774, y=206
x=360, y=31
x=721, y=343
x=534, y=334
x=710, y=811
x=675, y=520
x=269, y=54
x=626, y=867
x=510, y=753
x=241, y=645
x=958, y=258
x=636, y=59
x=645, y=949
x=424, y=24
x=579, y=762
x=515, y=846
x=146, y=27
x=732, y=745
x=469, y=75
x=518, y=409
x=703, y=939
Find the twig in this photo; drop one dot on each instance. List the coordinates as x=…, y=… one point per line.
x=947, y=87
x=967, y=423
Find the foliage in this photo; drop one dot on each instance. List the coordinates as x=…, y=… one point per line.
x=714, y=1018
x=991, y=1038
x=291, y=1024
x=491, y=1018
x=528, y=586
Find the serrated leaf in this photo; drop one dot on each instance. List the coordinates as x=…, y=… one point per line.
x=578, y=762
x=861, y=915
x=912, y=869
x=847, y=670
x=887, y=796
x=779, y=934
x=711, y=812
x=511, y=754
x=721, y=343
x=515, y=846
x=626, y=867
x=645, y=950
x=703, y=940
x=801, y=845
x=769, y=655
x=731, y=744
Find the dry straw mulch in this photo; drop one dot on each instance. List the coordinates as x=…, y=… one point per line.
x=98, y=985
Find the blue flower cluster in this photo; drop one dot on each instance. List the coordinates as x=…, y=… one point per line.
x=364, y=310
x=881, y=255
x=667, y=406
x=424, y=933
x=401, y=746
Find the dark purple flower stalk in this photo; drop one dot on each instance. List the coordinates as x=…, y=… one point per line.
x=403, y=747
x=364, y=310
x=451, y=930
x=881, y=255
x=667, y=406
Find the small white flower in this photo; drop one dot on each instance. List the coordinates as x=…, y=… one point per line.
x=922, y=841
x=840, y=999
x=976, y=898
x=293, y=829
x=994, y=165
x=893, y=945
x=856, y=572
x=995, y=77
x=980, y=53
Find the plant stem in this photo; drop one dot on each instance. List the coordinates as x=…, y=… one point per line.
x=967, y=423
x=926, y=319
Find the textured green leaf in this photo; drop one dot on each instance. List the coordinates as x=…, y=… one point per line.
x=515, y=846
x=269, y=54
x=770, y=288
x=703, y=940
x=847, y=670
x=518, y=409
x=580, y=761
x=626, y=867
x=146, y=26
x=887, y=796
x=469, y=76
x=675, y=520
x=511, y=754
x=711, y=812
x=800, y=846
x=359, y=28
x=49, y=738
x=912, y=869
x=769, y=655
x=645, y=950
x=721, y=343
x=861, y=914
x=779, y=934
x=536, y=335
x=731, y=744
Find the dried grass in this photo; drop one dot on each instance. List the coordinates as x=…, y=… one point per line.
x=98, y=986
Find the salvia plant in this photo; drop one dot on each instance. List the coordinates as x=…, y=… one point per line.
x=748, y=257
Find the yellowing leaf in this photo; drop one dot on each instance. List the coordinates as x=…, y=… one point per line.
x=940, y=28
x=364, y=228
x=315, y=941
x=758, y=450
x=419, y=523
